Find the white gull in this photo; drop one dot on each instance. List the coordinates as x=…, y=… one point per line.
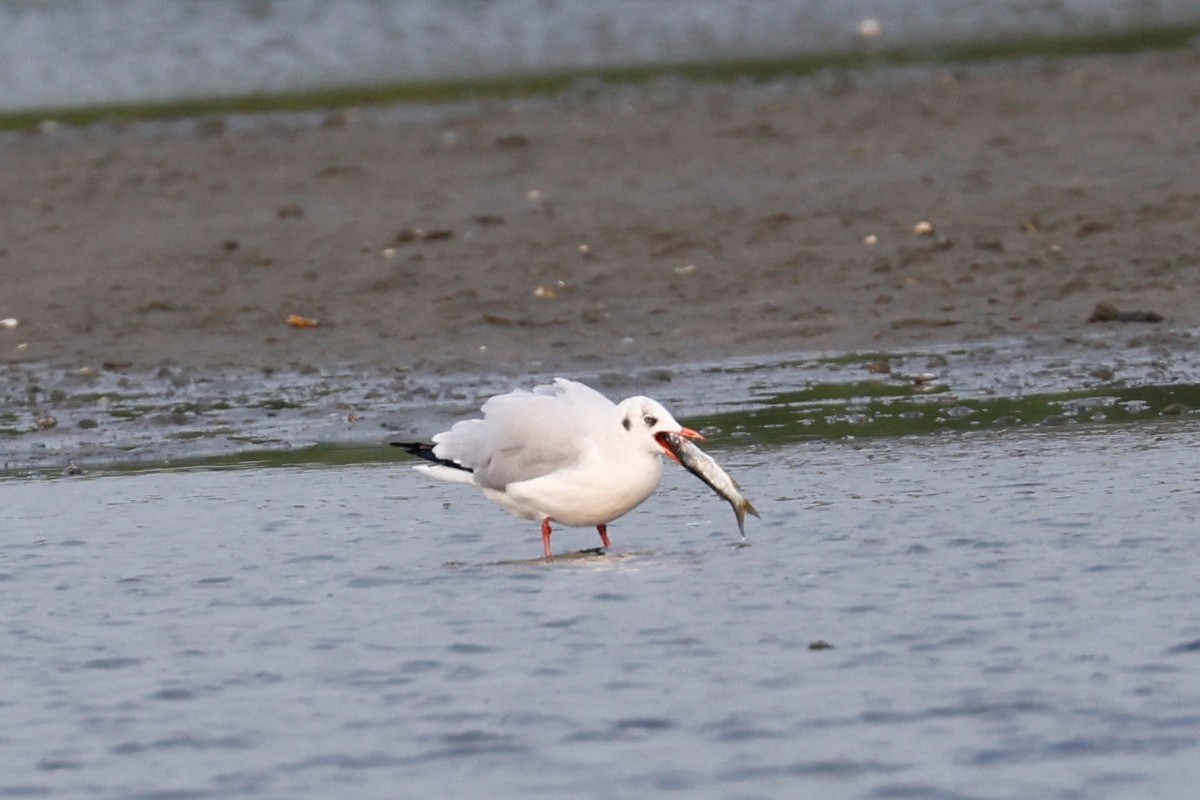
x=561, y=453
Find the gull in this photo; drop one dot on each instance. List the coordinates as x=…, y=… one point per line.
x=560, y=453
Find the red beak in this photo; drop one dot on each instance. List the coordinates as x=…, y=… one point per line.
x=687, y=433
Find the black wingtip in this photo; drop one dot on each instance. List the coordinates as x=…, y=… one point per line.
x=418, y=449
x=424, y=451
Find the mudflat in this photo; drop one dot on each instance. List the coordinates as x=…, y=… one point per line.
x=615, y=226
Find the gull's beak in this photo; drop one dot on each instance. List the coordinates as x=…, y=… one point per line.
x=687, y=433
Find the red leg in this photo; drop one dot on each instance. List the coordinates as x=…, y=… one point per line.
x=603, y=531
x=546, y=537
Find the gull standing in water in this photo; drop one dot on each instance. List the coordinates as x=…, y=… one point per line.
x=562, y=453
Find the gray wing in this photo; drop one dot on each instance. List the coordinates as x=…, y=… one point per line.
x=525, y=435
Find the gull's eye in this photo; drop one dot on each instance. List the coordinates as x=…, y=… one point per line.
x=650, y=420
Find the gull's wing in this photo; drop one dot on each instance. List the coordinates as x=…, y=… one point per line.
x=527, y=434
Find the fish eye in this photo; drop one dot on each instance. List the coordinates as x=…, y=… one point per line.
x=650, y=420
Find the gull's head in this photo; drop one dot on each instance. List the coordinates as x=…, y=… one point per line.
x=646, y=422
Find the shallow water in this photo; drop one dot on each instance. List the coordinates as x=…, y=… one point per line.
x=51, y=55
x=1012, y=614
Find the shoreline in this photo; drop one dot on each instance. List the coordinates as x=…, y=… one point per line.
x=116, y=422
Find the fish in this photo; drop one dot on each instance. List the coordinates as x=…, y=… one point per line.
x=704, y=467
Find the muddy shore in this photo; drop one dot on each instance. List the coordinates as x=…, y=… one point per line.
x=615, y=226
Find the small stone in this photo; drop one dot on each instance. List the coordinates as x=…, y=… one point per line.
x=1107, y=312
x=1103, y=312
x=870, y=28
x=422, y=235
x=512, y=141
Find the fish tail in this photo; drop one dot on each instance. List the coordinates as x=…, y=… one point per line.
x=739, y=509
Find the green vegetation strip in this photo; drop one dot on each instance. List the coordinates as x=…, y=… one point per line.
x=317, y=455
x=511, y=86
x=892, y=409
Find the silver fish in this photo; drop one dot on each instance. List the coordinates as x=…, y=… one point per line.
x=702, y=465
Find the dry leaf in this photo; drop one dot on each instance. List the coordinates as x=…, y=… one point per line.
x=297, y=321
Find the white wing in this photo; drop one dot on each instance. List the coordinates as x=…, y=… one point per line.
x=525, y=435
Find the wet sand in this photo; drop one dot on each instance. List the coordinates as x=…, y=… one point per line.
x=615, y=226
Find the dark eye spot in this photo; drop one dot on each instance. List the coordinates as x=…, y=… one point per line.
x=650, y=420
x=627, y=423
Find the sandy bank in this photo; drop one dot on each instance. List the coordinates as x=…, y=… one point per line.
x=629, y=227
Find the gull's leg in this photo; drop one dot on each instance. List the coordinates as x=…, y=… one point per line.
x=546, y=537
x=603, y=531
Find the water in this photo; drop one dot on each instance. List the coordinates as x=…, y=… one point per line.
x=1012, y=614
x=66, y=53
